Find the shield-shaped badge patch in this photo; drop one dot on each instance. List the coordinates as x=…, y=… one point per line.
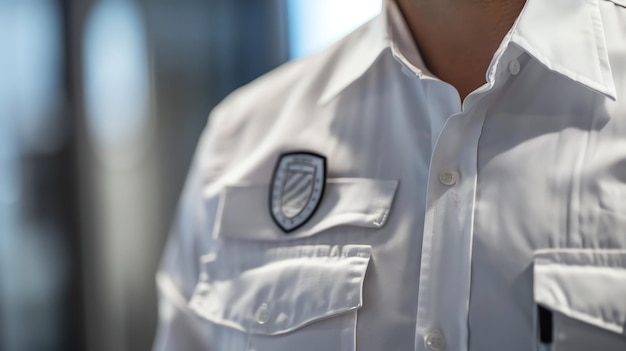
x=297, y=189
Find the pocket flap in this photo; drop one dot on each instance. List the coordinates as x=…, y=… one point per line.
x=587, y=285
x=244, y=211
x=275, y=291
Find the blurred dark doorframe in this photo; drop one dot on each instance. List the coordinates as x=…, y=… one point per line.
x=41, y=288
x=196, y=52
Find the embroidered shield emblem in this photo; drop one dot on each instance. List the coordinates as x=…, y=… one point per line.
x=297, y=189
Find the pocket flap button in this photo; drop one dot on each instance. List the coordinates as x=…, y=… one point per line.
x=263, y=314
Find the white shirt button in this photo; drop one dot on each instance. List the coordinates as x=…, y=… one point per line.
x=263, y=314
x=448, y=177
x=435, y=341
x=514, y=67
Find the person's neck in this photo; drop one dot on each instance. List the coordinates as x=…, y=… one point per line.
x=458, y=38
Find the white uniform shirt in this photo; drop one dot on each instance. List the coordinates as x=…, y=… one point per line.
x=442, y=225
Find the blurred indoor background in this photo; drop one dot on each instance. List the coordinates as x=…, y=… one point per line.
x=101, y=105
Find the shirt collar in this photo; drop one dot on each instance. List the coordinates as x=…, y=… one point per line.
x=566, y=36
x=355, y=54
x=386, y=32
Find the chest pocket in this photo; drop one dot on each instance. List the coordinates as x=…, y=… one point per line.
x=292, y=298
x=584, y=291
x=265, y=290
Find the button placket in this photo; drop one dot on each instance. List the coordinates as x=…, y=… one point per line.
x=447, y=241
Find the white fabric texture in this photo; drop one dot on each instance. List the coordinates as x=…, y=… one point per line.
x=470, y=213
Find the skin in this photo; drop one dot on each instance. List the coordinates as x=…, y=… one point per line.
x=458, y=38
